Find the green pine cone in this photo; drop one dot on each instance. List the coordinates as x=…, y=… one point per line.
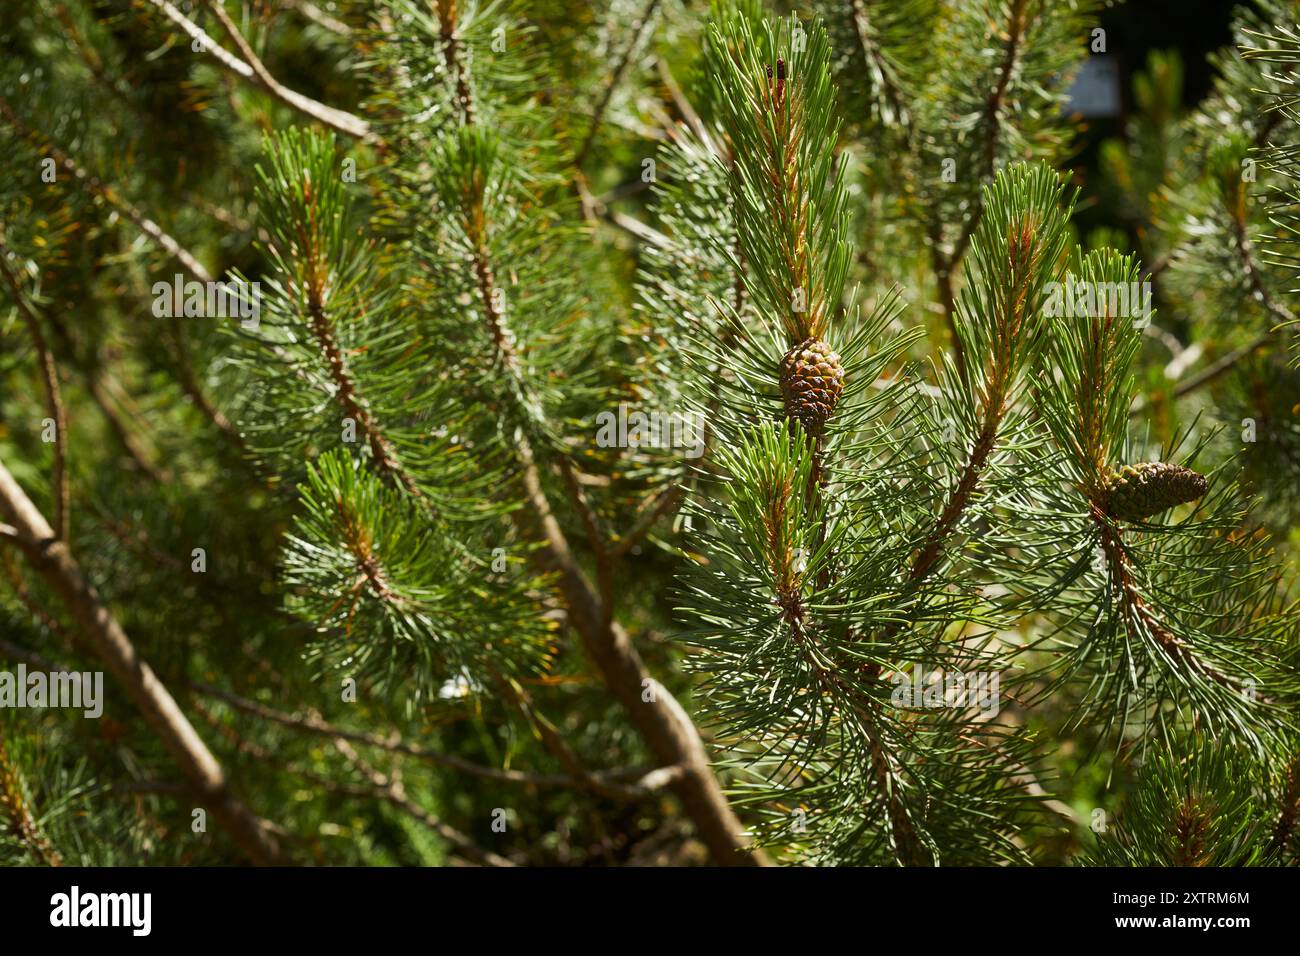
x=1138, y=492
x=812, y=381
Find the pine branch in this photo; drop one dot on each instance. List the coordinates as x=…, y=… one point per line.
x=51, y=558
x=302, y=202
x=1156, y=621
x=1245, y=253
x=345, y=388
x=1140, y=618
x=596, y=537
x=14, y=805
x=1188, y=808
x=455, y=58
x=662, y=722
x=1015, y=34
x=791, y=220
x=945, y=263
x=1016, y=250
x=163, y=240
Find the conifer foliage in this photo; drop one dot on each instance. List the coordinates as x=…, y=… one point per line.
x=535, y=433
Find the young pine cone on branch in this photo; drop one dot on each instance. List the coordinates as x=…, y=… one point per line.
x=1138, y=492
x=812, y=381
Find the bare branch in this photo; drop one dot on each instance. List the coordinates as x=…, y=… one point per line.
x=253, y=70
x=667, y=729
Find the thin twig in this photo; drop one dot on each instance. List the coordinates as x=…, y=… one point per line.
x=53, y=395
x=610, y=781
x=1209, y=373
x=394, y=793
x=319, y=17
x=1139, y=616
x=620, y=68
x=559, y=748
x=24, y=594
x=687, y=109
x=142, y=222
x=252, y=69
x=1276, y=310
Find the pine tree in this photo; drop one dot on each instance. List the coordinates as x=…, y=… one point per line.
x=481, y=481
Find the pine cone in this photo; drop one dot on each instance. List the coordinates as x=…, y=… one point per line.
x=812, y=381
x=1138, y=492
